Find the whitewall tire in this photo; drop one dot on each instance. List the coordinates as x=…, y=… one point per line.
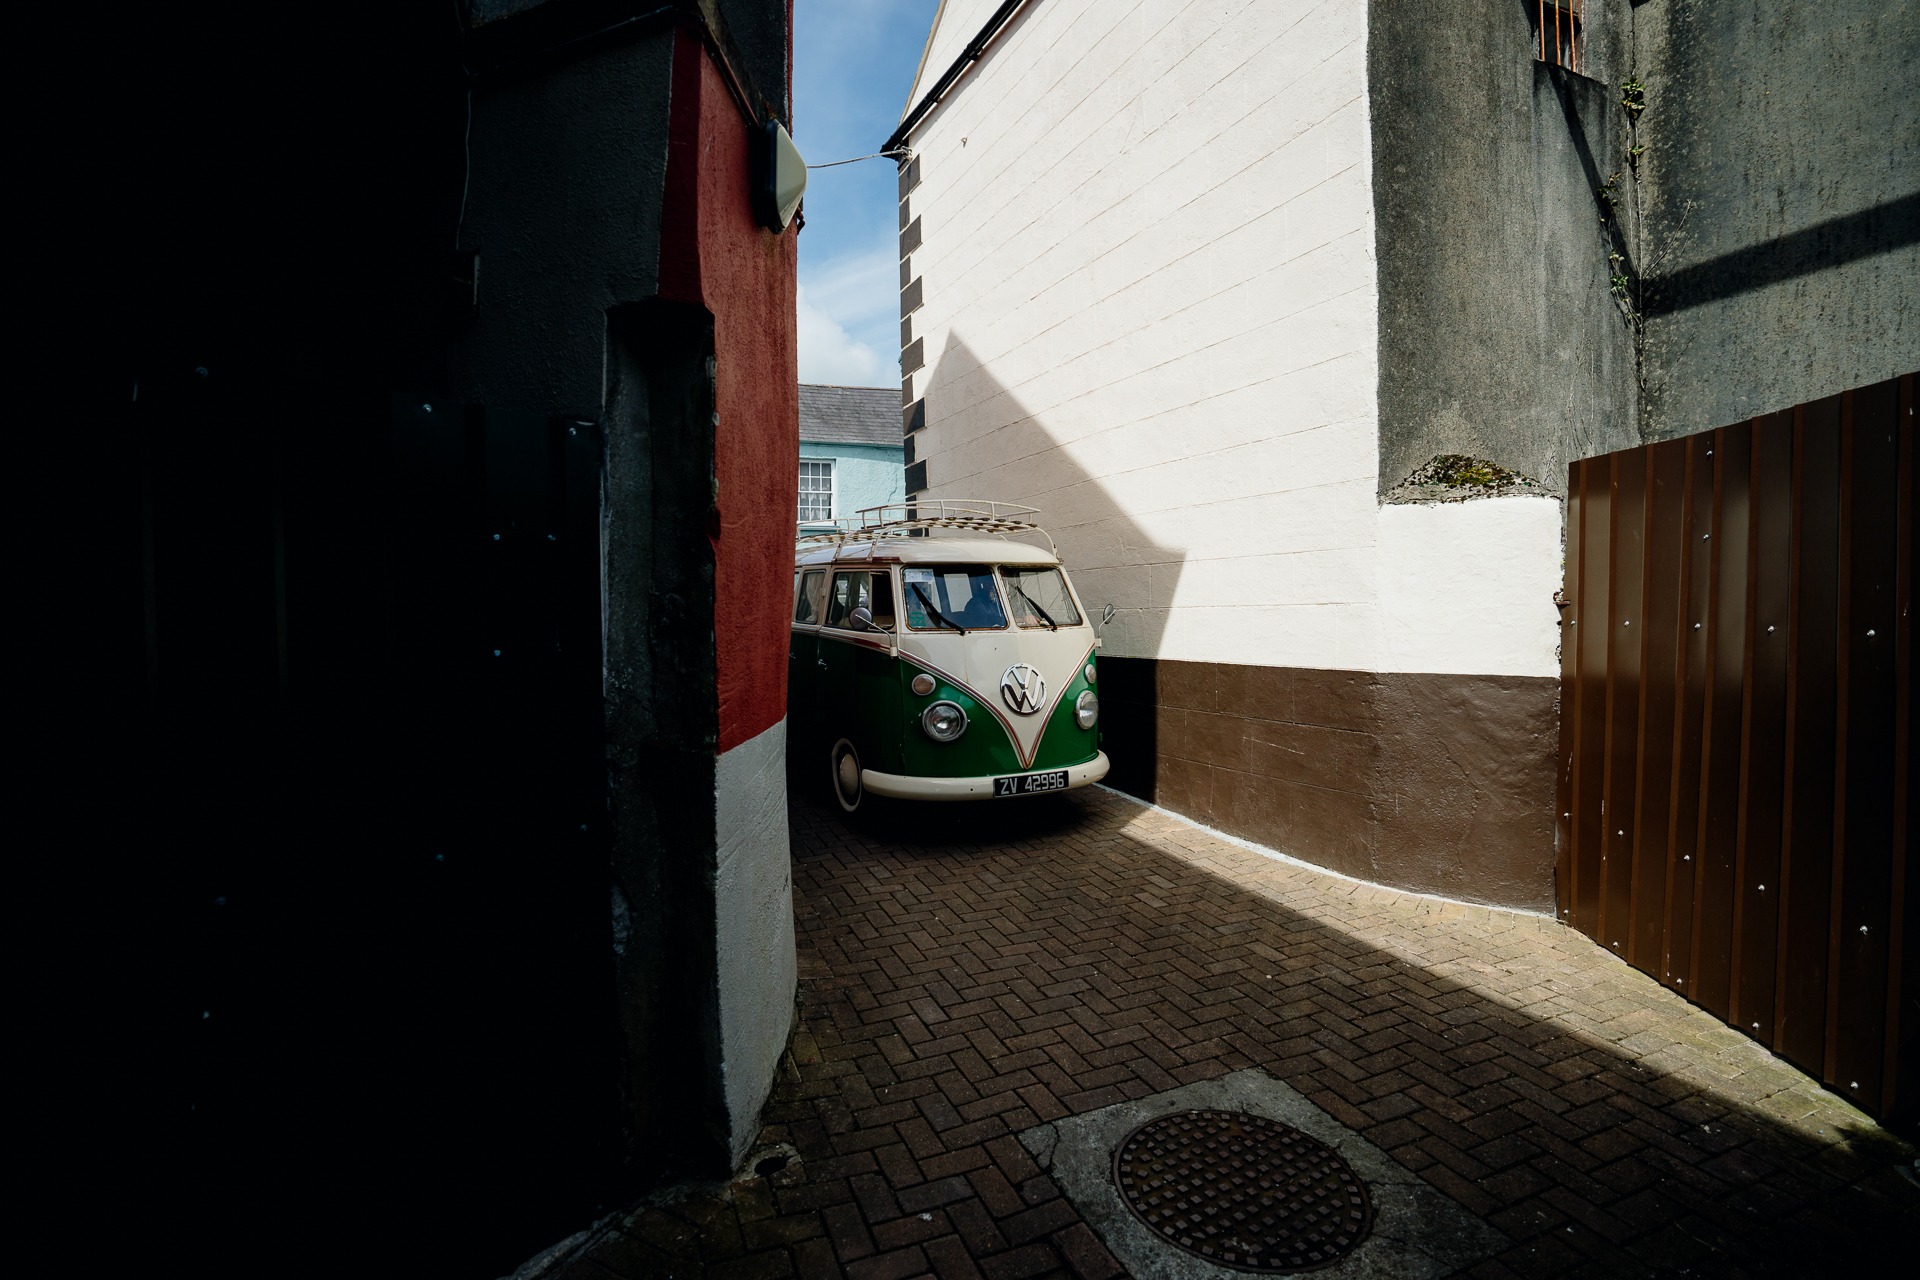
x=844, y=763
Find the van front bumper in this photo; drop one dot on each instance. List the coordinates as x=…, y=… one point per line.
x=901, y=787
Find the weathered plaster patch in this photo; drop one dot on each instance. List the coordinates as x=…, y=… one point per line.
x=1456, y=477
x=753, y=909
x=1418, y=1231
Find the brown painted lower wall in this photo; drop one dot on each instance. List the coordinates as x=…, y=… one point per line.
x=1440, y=784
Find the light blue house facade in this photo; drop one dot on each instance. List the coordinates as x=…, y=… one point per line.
x=852, y=452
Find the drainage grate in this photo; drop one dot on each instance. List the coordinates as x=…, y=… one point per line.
x=1242, y=1191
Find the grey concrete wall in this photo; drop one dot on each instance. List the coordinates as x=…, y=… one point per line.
x=1499, y=336
x=563, y=206
x=1782, y=203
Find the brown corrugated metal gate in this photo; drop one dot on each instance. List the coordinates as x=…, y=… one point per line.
x=1736, y=701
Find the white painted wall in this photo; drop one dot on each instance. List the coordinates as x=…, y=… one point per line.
x=753, y=898
x=1151, y=311
x=1467, y=587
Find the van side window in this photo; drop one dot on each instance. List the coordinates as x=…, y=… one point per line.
x=882, y=606
x=813, y=592
x=849, y=593
x=870, y=591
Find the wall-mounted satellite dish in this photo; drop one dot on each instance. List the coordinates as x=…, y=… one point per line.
x=779, y=178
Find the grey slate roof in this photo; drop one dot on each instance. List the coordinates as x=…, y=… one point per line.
x=850, y=415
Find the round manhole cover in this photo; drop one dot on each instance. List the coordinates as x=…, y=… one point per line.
x=1242, y=1191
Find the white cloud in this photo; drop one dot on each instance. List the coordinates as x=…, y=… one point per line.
x=828, y=353
x=848, y=313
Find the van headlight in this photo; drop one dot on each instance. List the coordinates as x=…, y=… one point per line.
x=943, y=721
x=1086, y=710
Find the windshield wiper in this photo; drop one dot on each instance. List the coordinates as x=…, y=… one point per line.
x=1044, y=615
x=936, y=614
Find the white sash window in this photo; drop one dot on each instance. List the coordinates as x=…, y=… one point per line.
x=816, y=489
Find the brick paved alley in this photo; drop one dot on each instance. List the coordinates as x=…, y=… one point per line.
x=968, y=971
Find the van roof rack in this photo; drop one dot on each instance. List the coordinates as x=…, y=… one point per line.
x=920, y=517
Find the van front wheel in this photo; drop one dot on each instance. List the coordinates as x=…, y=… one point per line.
x=846, y=776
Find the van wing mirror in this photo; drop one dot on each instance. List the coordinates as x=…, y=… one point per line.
x=1106, y=615
x=862, y=619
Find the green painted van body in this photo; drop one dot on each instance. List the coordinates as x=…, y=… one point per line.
x=840, y=689
x=856, y=685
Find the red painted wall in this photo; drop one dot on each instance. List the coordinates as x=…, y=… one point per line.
x=713, y=253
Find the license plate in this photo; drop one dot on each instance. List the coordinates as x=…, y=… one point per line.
x=1028, y=784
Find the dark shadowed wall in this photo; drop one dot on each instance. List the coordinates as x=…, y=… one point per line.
x=562, y=207
x=348, y=622
x=702, y=446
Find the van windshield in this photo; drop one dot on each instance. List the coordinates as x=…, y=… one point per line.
x=963, y=594
x=1039, y=597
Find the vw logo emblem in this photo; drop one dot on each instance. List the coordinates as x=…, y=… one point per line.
x=1023, y=688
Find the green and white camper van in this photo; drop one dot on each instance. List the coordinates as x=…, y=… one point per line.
x=939, y=653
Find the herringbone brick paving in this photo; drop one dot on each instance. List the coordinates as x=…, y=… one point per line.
x=969, y=971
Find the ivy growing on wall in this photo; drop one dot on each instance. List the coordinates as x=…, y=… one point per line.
x=1623, y=187
x=1623, y=192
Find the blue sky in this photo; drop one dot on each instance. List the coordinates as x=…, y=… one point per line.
x=853, y=63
